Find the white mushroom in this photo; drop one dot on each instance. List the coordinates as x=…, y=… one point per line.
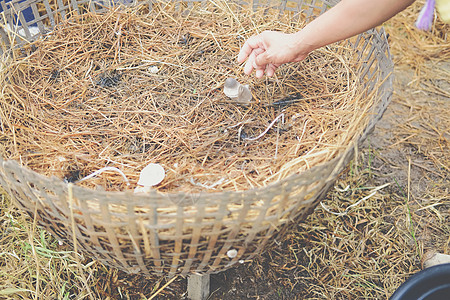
x=232, y=253
x=153, y=69
x=231, y=88
x=150, y=176
x=238, y=92
x=245, y=95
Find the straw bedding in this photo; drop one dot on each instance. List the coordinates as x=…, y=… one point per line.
x=128, y=88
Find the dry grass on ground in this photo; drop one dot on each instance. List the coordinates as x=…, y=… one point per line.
x=386, y=212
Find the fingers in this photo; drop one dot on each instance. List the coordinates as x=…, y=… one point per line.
x=262, y=59
x=249, y=46
x=259, y=73
x=251, y=64
x=270, y=69
x=257, y=59
x=245, y=52
x=251, y=49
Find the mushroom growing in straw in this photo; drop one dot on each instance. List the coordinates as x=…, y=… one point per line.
x=150, y=176
x=238, y=92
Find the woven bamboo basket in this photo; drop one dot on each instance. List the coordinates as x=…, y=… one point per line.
x=182, y=233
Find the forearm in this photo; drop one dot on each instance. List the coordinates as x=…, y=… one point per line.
x=265, y=52
x=346, y=19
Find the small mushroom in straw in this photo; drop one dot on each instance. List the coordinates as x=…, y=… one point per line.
x=237, y=92
x=153, y=69
x=150, y=176
x=232, y=253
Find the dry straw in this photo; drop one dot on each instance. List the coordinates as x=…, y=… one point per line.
x=126, y=89
x=131, y=86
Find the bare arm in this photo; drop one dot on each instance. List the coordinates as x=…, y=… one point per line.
x=267, y=51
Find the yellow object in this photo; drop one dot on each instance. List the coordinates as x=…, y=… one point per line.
x=443, y=7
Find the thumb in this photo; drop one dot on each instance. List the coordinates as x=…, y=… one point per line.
x=262, y=59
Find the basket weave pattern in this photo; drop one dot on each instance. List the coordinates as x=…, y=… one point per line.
x=182, y=233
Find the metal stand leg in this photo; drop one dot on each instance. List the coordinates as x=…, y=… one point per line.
x=198, y=287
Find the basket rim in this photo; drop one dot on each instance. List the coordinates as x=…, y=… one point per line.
x=337, y=161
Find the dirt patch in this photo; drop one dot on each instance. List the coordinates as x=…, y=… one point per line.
x=413, y=133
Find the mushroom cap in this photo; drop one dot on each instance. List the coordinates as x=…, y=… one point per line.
x=244, y=95
x=232, y=253
x=231, y=83
x=151, y=175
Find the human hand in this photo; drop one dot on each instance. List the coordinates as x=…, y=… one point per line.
x=268, y=50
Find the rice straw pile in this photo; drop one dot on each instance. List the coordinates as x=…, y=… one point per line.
x=127, y=88
x=414, y=47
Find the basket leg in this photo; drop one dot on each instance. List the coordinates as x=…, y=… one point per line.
x=198, y=287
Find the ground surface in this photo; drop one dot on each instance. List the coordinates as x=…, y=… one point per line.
x=398, y=186
x=369, y=251
x=394, y=154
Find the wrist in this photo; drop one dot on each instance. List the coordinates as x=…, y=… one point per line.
x=302, y=44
